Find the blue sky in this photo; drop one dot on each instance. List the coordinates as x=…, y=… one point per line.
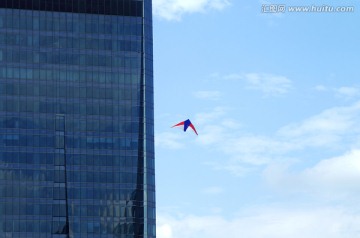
x=275, y=98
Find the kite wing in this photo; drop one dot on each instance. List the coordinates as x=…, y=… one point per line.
x=193, y=127
x=179, y=124
x=187, y=123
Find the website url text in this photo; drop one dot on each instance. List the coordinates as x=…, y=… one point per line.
x=282, y=8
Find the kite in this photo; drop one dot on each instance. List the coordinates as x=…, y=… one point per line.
x=186, y=124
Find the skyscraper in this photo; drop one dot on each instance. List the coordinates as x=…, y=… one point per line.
x=76, y=119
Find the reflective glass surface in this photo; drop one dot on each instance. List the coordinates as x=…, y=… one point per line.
x=76, y=124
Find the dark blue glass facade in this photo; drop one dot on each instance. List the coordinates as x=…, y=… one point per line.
x=76, y=119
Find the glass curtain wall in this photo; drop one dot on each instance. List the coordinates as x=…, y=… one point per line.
x=76, y=119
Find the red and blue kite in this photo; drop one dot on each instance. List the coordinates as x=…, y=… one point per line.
x=187, y=123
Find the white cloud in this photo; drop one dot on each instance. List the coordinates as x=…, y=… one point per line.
x=342, y=172
x=168, y=140
x=210, y=117
x=224, y=134
x=328, y=128
x=208, y=95
x=332, y=180
x=335, y=128
x=213, y=190
x=164, y=231
x=233, y=76
x=230, y=123
x=175, y=9
x=265, y=222
x=321, y=88
x=348, y=92
x=269, y=84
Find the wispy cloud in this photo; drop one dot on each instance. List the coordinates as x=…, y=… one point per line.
x=273, y=222
x=208, y=95
x=175, y=9
x=334, y=128
x=213, y=190
x=347, y=92
x=320, y=87
x=269, y=84
x=169, y=140
x=338, y=172
x=164, y=231
x=328, y=128
x=206, y=117
x=332, y=180
x=327, y=180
